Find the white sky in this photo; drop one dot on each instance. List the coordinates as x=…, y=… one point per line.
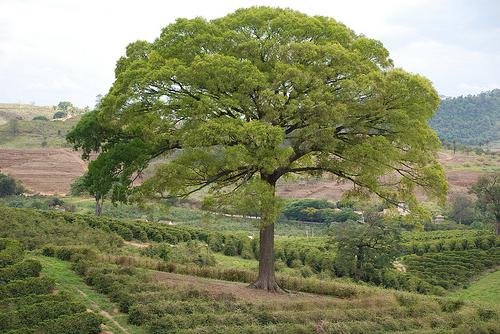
x=54, y=50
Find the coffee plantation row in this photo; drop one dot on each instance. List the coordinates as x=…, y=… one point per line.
x=308, y=256
x=155, y=303
x=30, y=304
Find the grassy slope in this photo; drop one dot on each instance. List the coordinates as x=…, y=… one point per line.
x=33, y=133
x=67, y=280
x=485, y=289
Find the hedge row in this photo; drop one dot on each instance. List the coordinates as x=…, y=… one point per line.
x=454, y=244
x=20, y=270
x=79, y=323
x=160, y=308
x=326, y=287
x=452, y=269
x=31, y=315
x=10, y=252
x=19, y=302
x=28, y=286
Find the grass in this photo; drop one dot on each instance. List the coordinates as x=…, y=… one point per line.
x=67, y=280
x=31, y=134
x=486, y=289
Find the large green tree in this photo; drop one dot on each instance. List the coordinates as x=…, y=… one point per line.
x=487, y=190
x=239, y=102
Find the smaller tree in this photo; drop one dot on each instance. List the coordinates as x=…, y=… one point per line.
x=487, y=190
x=363, y=249
x=461, y=209
x=9, y=186
x=40, y=118
x=65, y=106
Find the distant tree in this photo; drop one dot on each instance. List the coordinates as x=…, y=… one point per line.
x=65, y=106
x=9, y=186
x=239, y=102
x=40, y=118
x=462, y=209
x=77, y=187
x=487, y=190
x=14, y=127
x=59, y=114
x=365, y=248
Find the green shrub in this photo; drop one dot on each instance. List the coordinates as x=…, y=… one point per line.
x=28, y=286
x=31, y=315
x=19, y=302
x=20, y=270
x=79, y=323
x=10, y=252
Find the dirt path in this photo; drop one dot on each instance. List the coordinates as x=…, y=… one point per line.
x=104, y=313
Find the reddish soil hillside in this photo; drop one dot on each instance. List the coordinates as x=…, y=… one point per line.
x=44, y=171
x=51, y=171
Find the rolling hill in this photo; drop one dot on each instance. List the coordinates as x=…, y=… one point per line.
x=471, y=120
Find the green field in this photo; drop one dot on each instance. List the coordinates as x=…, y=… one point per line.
x=485, y=289
x=36, y=134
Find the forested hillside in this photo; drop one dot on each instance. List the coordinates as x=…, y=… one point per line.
x=471, y=120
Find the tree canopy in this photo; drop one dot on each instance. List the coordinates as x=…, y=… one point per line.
x=487, y=190
x=238, y=102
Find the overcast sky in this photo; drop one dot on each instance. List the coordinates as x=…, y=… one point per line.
x=54, y=50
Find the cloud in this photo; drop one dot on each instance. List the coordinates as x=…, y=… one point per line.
x=453, y=70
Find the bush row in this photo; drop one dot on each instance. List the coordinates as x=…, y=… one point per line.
x=452, y=269
x=20, y=270
x=454, y=244
x=32, y=285
x=19, y=302
x=10, y=252
x=79, y=323
x=326, y=287
x=31, y=315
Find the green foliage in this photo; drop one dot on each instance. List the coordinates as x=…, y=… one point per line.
x=310, y=97
x=31, y=133
x=40, y=118
x=32, y=315
x=79, y=323
x=65, y=106
x=28, y=286
x=451, y=240
x=487, y=190
x=161, y=308
x=9, y=186
x=452, y=269
x=35, y=228
x=191, y=252
x=365, y=249
x=462, y=209
x=10, y=252
x=317, y=211
x=20, y=270
x=471, y=120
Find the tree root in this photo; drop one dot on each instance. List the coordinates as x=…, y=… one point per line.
x=265, y=285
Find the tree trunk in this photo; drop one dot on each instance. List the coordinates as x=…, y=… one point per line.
x=266, y=279
x=498, y=227
x=98, y=207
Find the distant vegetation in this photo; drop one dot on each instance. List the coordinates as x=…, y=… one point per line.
x=33, y=133
x=9, y=186
x=471, y=120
